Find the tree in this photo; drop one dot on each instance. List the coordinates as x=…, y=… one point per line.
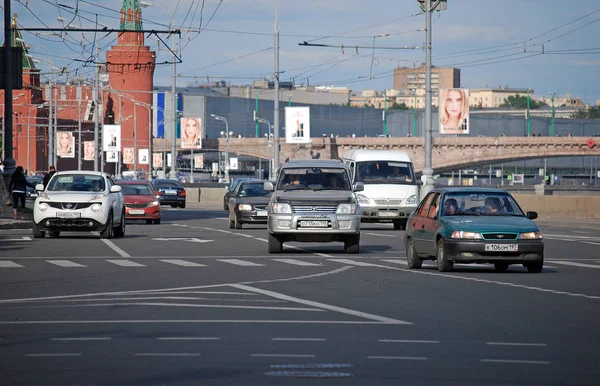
x=520, y=102
x=592, y=113
x=396, y=106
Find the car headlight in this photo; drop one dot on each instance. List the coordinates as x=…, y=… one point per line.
x=43, y=206
x=154, y=203
x=466, y=235
x=99, y=196
x=412, y=200
x=281, y=208
x=244, y=207
x=346, y=208
x=44, y=196
x=96, y=207
x=362, y=199
x=531, y=235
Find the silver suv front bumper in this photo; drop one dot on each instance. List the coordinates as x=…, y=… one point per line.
x=336, y=224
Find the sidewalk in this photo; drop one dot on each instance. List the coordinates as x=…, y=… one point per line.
x=10, y=223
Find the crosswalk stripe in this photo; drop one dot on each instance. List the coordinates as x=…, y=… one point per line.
x=65, y=263
x=10, y=264
x=126, y=263
x=296, y=262
x=183, y=263
x=352, y=262
x=240, y=262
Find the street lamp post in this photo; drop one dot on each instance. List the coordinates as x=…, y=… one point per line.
x=528, y=120
x=415, y=115
x=268, y=141
x=149, y=107
x=227, y=133
x=385, y=113
x=29, y=130
x=552, y=127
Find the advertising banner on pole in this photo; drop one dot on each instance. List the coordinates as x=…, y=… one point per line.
x=111, y=138
x=112, y=156
x=191, y=133
x=233, y=163
x=143, y=156
x=198, y=161
x=157, y=160
x=65, y=144
x=89, y=150
x=297, y=125
x=128, y=155
x=453, y=105
x=168, y=159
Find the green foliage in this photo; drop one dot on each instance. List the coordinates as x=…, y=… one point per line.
x=520, y=102
x=396, y=106
x=592, y=113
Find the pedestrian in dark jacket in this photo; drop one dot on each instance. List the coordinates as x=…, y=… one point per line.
x=18, y=187
x=48, y=176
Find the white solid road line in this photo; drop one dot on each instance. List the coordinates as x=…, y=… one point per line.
x=300, y=339
x=54, y=355
x=24, y=238
x=515, y=344
x=574, y=264
x=159, y=354
x=396, y=261
x=82, y=338
x=188, y=338
x=125, y=263
x=352, y=262
x=407, y=341
x=399, y=358
x=240, y=262
x=283, y=355
x=183, y=263
x=10, y=264
x=379, y=234
x=516, y=361
x=65, y=263
x=297, y=262
x=112, y=246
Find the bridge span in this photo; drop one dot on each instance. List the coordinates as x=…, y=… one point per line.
x=448, y=153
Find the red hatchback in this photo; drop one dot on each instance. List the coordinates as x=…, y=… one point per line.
x=140, y=201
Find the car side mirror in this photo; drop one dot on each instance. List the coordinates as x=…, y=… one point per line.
x=268, y=186
x=358, y=186
x=39, y=188
x=532, y=215
x=226, y=187
x=115, y=189
x=419, y=183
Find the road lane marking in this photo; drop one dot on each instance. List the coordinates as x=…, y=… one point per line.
x=283, y=355
x=187, y=338
x=516, y=361
x=396, y=261
x=352, y=262
x=240, y=262
x=187, y=321
x=54, y=355
x=300, y=339
x=574, y=264
x=379, y=234
x=82, y=338
x=157, y=304
x=112, y=246
x=24, y=238
x=296, y=262
x=323, y=306
x=183, y=263
x=515, y=344
x=125, y=263
x=399, y=358
x=408, y=341
x=65, y=263
x=164, y=354
x=10, y=264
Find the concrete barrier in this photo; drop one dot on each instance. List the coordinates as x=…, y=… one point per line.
x=546, y=206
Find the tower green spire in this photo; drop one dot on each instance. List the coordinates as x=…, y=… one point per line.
x=131, y=15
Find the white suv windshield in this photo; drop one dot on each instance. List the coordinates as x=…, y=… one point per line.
x=314, y=178
x=385, y=172
x=77, y=183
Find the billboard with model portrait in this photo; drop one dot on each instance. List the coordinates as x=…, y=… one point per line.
x=111, y=138
x=89, y=150
x=112, y=157
x=157, y=160
x=65, y=144
x=143, y=156
x=128, y=155
x=453, y=107
x=198, y=161
x=191, y=133
x=297, y=124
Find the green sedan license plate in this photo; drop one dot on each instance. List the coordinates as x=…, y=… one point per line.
x=501, y=247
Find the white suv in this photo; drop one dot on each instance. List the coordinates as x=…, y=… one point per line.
x=79, y=201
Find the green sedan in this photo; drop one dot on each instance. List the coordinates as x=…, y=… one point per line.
x=473, y=225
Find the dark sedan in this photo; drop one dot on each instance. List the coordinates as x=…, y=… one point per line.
x=230, y=189
x=248, y=204
x=473, y=225
x=170, y=192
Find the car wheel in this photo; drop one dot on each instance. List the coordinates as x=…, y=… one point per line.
x=120, y=229
x=443, y=264
x=535, y=267
x=182, y=205
x=399, y=225
x=238, y=222
x=107, y=233
x=501, y=267
x=412, y=258
x=352, y=244
x=54, y=233
x=157, y=221
x=225, y=206
x=149, y=221
x=37, y=233
x=275, y=244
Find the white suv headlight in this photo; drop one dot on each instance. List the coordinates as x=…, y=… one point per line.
x=96, y=207
x=346, y=208
x=281, y=208
x=43, y=206
x=362, y=199
x=412, y=200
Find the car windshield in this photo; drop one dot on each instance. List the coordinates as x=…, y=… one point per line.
x=136, y=189
x=253, y=190
x=480, y=204
x=77, y=183
x=314, y=178
x=385, y=172
x=168, y=184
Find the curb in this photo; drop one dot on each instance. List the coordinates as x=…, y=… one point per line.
x=16, y=225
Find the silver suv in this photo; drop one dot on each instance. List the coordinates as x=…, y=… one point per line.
x=313, y=201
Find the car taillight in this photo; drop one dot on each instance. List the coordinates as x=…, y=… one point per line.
x=159, y=193
x=182, y=193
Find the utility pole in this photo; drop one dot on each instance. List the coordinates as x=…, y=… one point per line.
x=385, y=113
x=98, y=149
x=175, y=116
x=9, y=162
x=79, y=128
x=552, y=128
x=276, y=98
x=528, y=120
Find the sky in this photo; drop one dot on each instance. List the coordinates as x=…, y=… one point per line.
x=546, y=45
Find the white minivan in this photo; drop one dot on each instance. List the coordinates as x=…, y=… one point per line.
x=391, y=191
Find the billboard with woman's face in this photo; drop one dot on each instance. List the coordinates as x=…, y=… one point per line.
x=89, y=150
x=157, y=160
x=128, y=155
x=65, y=144
x=454, y=111
x=191, y=133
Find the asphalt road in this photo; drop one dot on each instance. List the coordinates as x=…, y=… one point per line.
x=190, y=301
